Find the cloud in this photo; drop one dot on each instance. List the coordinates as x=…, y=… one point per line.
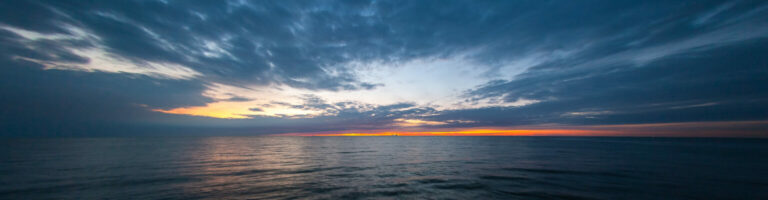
x=702, y=19
x=667, y=78
x=91, y=58
x=416, y=122
x=323, y=66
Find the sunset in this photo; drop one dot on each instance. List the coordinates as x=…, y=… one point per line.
x=240, y=99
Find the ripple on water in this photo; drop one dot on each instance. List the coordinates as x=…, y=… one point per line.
x=431, y=180
x=541, y=195
x=503, y=178
x=461, y=186
x=380, y=168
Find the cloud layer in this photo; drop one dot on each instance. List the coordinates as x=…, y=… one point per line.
x=117, y=67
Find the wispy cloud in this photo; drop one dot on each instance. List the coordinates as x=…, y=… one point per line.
x=97, y=59
x=390, y=65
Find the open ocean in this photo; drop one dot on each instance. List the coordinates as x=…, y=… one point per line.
x=266, y=167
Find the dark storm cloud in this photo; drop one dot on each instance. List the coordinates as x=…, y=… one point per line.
x=599, y=62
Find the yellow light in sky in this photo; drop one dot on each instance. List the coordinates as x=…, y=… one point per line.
x=236, y=110
x=416, y=122
x=231, y=110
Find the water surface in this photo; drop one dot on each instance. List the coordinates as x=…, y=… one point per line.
x=383, y=167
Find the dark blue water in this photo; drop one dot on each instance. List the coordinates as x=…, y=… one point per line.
x=383, y=167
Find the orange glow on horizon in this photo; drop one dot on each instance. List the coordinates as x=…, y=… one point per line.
x=680, y=129
x=472, y=132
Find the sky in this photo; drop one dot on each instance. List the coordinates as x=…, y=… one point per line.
x=172, y=67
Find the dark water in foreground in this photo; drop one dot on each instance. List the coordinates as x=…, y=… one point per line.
x=383, y=167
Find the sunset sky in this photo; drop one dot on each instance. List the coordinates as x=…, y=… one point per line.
x=574, y=68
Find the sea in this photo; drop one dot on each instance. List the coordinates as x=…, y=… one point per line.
x=279, y=167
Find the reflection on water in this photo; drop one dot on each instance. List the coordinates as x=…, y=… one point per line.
x=383, y=167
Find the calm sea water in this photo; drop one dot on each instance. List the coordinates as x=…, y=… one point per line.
x=383, y=167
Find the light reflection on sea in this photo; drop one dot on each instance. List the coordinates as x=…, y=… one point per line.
x=383, y=167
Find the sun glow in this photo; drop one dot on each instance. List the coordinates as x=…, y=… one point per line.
x=237, y=110
x=416, y=122
x=424, y=82
x=472, y=132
